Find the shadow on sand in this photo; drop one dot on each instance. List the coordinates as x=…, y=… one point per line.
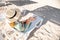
x=21, y=3
x=48, y=13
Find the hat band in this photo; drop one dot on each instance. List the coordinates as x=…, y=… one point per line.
x=13, y=15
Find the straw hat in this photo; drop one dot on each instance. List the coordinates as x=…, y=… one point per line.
x=13, y=14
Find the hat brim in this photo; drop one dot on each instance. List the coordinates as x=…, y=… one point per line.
x=16, y=17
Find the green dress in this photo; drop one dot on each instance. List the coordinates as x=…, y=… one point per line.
x=21, y=28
